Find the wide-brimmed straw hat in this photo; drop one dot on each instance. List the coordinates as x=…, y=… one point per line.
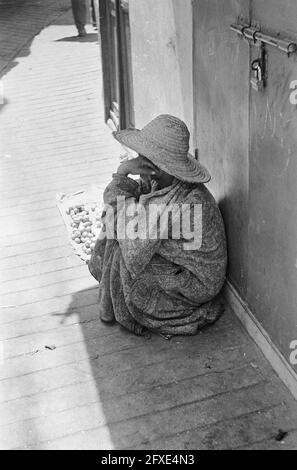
x=165, y=142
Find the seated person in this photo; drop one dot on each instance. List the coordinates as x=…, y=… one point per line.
x=161, y=257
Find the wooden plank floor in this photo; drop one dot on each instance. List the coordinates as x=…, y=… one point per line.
x=99, y=387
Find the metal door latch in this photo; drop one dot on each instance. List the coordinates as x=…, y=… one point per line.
x=257, y=79
x=258, y=72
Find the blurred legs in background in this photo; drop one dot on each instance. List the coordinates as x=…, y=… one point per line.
x=93, y=14
x=80, y=14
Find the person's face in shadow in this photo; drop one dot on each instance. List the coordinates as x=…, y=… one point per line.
x=162, y=178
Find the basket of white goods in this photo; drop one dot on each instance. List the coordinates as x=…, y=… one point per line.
x=81, y=212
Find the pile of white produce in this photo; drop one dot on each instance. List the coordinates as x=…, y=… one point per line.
x=81, y=212
x=86, y=224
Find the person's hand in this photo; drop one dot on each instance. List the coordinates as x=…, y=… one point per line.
x=137, y=166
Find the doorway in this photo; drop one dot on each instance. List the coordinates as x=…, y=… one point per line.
x=116, y=63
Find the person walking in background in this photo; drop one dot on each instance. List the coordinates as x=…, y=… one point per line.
x=80, y=13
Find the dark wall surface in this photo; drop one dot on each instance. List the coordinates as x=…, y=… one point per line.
x=248, y=140
x=272, y=287
x=221, y=115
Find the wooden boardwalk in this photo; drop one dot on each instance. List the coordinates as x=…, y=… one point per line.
x=66, y=379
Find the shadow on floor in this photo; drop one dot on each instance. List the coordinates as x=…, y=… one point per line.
x=91, y=37
x=137, y=377
x=16, y=13
x=117, y=359
x=3, y=101
x=23, y=52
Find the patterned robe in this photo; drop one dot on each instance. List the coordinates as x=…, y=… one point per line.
x=159, y=283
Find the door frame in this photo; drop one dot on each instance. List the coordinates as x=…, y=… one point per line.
x=120, y=113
